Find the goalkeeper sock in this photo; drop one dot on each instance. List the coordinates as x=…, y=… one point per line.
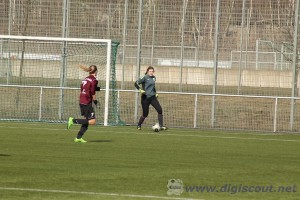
x=82, y=130
x=142, y=118
x=84, y=122
x=160, y=120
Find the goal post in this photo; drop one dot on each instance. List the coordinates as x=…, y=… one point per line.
x=54, y=62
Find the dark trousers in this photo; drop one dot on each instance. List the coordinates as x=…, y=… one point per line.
x=146, y=102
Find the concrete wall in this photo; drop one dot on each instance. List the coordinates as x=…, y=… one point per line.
x=190, y=75
x=204, y=76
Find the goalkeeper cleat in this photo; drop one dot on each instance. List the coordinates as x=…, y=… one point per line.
x=163, y=128
x=139, y=127
x=79, y=140
x=70, y=123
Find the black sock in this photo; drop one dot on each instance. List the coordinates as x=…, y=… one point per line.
x=82, y=130
x=81, y=121
x=160, y=120
x=142, y=118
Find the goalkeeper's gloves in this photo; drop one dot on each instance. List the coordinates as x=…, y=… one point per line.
x=95, y=102
x=156, y=95
x=142, y=91
x=97, y=88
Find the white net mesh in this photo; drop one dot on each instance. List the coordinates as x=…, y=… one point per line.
x=41, y=62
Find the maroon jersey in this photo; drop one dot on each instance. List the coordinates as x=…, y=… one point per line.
x=88, y=88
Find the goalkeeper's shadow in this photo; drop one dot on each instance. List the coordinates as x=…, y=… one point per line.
x=100, y=141
x=4, y=155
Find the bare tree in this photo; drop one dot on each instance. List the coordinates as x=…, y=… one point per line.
x=26, y=12
x=230, y=9
x=27, y=9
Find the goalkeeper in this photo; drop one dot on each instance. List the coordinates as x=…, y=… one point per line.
x=87, y=98
x=149, y=96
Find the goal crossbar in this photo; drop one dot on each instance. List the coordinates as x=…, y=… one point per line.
x=16, y=37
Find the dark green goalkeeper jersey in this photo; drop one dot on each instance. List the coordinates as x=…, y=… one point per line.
x=148, y=84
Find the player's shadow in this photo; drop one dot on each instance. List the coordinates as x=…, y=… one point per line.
x=1, y=154
x=100, y=141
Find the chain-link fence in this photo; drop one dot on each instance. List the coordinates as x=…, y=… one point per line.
x=255, y=38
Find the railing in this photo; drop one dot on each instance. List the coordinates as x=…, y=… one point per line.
x=190, y=110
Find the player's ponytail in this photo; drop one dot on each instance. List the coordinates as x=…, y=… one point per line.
x=92, y=69
x=150, y=67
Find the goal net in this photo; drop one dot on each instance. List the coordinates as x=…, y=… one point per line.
x=40, y=77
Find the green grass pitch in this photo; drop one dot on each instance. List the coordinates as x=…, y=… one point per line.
x=41, y=161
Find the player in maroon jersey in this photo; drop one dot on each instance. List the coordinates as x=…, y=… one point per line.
x=87, y=97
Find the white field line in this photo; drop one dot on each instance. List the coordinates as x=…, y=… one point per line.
x=95, y=193
x=164, y=134
x=9, y=125
x=186, y=130
x=238, y=138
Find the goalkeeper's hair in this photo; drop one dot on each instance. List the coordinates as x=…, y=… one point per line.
x=150, y=67
x=91, y=69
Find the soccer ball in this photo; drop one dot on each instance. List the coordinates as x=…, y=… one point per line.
x=156, y=127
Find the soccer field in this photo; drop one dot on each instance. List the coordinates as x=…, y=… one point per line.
x=41, y=161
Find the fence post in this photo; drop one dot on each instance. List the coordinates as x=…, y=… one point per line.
x=241, y=47
x=185, y=2
x=256, y=59
x=10, y=20
x=138, y=57
x=195, y=111
x=153, y=33
x=40, y=104
x=281, y=56
x=275, y=115
x=63, y=69
x=216, y=51
x=118, y=108
x=124, y=42
x=295, y=65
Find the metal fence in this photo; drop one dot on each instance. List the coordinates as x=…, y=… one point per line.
x=237, y=47
x=193, y=110
x=251, y=35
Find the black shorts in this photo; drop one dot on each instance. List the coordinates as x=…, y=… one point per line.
x=87, y=111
